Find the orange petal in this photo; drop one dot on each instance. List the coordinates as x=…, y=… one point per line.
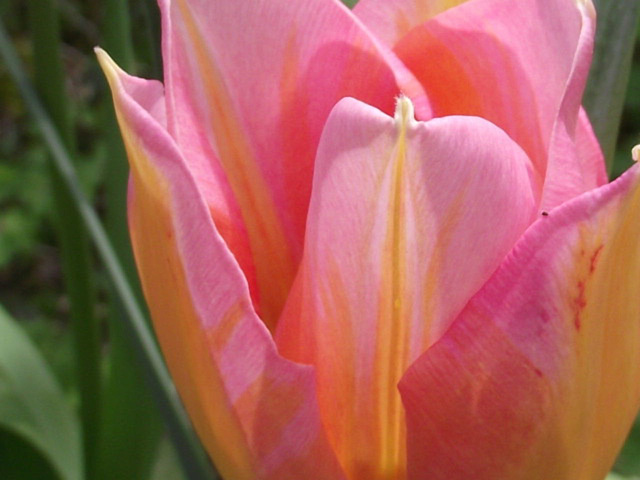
x=255, y=412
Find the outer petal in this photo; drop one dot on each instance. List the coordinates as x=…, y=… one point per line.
x=521, y=65
x=592, y=163
x=407, y=220
x=390, y=20
x=255, y=412
x=571, y=169
x=539, y=377
x=249, y=87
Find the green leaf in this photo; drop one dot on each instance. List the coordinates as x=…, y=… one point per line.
x=615, y=476
x=628, y=461
x=606, y=87
x=167, y=464
x=75, y=249
x=21, y=460
x=33, y=408
x=131, y=426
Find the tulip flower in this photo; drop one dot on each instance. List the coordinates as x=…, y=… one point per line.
x=380, y=244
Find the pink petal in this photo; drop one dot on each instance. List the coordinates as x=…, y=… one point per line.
x=249, y=87
x=521, y=65
x=407, y=220
x=539, y=377
x=255, y=412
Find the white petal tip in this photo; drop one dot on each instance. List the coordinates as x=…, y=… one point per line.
x=404, y=113
x=111, y=70
x=635, y=153
x=587, y=5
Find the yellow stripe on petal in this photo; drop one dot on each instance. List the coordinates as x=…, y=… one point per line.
x=395, y=306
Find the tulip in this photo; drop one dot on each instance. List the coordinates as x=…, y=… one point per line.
x=381, y=244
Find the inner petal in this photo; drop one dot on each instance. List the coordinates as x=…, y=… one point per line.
x=407, y=220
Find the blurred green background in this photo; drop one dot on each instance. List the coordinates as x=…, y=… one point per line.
x=128, y=437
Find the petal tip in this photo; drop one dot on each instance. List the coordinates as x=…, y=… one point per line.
x=404, y=114
x=587, y=6
x=110, y=69
x=635, y=153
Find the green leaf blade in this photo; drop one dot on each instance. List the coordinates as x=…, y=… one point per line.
x=32, y=404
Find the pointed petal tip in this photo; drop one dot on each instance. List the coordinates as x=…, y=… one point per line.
x=109, y=67
x=103, y=58
x=587, y=6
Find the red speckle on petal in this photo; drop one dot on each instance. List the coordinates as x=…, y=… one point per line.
x=580, y=302
x=594, y=259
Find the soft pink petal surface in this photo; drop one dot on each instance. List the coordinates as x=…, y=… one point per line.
x=249, y=87
x=539, y=377
x=407, y=220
